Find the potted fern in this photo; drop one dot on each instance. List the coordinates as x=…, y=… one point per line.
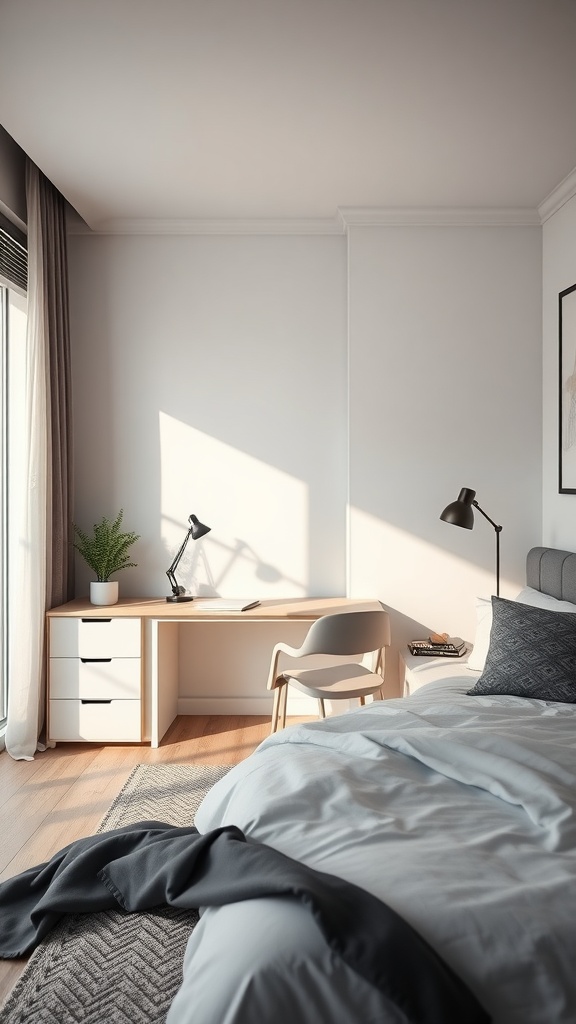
x=105, y=550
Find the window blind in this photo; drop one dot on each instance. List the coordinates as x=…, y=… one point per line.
x=13, y=254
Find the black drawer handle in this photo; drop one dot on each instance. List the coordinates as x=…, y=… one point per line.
x=89, y=661
x=96, y=620
x=95, y=701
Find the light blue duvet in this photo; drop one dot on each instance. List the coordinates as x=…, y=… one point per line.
x=457, y=811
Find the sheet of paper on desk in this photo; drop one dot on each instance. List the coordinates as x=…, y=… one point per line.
x=225, y=604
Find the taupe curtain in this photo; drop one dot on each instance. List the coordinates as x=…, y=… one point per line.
x=43, y=574
x=60, y=553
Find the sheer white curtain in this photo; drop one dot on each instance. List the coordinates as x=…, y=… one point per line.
x=41, y=569
x=28, y=572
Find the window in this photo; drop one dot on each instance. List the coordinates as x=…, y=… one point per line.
x=12, y=369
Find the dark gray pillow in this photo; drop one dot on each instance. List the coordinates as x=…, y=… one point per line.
x=532, y=653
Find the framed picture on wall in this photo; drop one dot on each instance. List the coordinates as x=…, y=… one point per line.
x=567, y=396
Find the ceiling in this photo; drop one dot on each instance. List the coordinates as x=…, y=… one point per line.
x=249, y=109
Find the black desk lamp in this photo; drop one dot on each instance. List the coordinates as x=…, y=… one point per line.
x=460, y=513
x=195, y=530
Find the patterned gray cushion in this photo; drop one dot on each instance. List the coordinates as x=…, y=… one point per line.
x=532, y=653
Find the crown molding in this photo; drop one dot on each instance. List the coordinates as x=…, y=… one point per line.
x=234, y=226
x=346, y=217
x=558, y=197
x=438, y=216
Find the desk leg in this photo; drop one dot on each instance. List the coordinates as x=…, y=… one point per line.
x=161, y=677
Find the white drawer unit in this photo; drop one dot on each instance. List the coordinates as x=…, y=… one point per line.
x=95, y=679
x=95, y=638
x=109, y=721
x=90, y=679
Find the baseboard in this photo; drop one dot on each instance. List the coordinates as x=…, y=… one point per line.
x=297, y=706
x=242, y=706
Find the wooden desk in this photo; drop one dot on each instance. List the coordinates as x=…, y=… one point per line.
x=113, y=671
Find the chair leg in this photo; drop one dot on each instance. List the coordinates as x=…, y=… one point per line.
x=275, y=710
x=283, y=703
x=321, y=708
x=362, y=701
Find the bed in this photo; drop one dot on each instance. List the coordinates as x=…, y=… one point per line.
x=457, y=809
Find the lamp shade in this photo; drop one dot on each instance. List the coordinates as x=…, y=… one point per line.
x=460, y=512
x=198, y=529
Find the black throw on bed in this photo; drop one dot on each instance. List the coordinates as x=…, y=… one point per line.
x=151, y=864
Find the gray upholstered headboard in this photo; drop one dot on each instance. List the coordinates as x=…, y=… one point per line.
x=553, y=572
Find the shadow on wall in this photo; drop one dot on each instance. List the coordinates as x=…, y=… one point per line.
x=196, y=573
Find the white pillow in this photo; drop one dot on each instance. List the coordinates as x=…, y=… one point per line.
x=529, y=596
x=539, y=600
x=477, y=657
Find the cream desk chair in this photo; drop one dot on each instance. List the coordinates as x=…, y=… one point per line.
x=347, y=634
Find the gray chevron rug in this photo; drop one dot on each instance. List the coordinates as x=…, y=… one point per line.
x=113, y=967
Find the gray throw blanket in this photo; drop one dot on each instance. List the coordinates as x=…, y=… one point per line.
x=151, y=864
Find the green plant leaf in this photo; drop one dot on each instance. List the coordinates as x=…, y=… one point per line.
x=106, y=549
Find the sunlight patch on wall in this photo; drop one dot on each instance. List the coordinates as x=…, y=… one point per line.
x=423, y=581
x=258, y=545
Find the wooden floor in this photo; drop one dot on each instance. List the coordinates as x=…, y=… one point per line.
x=63, y=793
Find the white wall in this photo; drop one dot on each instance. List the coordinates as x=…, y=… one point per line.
x=445, y=385
x=209, y=377
x=559, y=272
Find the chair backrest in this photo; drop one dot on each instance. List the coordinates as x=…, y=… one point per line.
x=348, y=633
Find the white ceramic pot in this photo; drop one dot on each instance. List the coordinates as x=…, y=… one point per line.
x=104, y=593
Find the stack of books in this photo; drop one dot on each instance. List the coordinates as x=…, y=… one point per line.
x=439, y=645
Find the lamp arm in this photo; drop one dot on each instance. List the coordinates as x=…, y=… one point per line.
x=482, y=512
x=176, y=589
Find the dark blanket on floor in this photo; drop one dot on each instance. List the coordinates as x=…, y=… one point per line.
x=152, y=864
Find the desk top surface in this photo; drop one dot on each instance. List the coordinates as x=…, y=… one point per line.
x=158, y=608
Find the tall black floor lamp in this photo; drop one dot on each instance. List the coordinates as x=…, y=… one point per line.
x=460, y=513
